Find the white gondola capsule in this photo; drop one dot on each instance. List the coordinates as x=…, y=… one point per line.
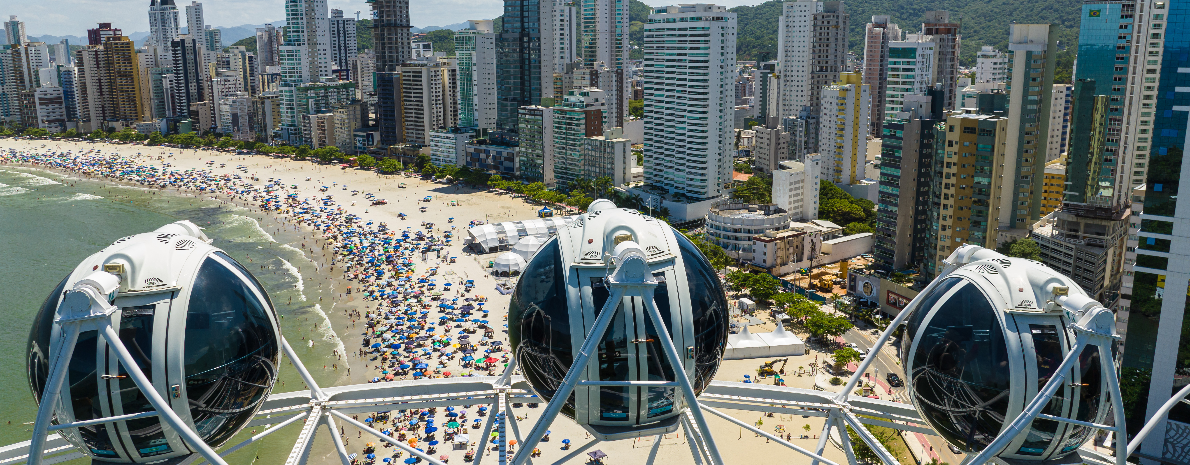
x=199, y=326
x=562, y=291
x=982, y=343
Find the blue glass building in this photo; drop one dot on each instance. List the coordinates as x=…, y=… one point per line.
x=1156, y=357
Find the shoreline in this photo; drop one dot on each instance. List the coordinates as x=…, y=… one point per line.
x=346, y=310
x=270, y=225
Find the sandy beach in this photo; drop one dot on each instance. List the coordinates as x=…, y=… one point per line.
x=333, y=248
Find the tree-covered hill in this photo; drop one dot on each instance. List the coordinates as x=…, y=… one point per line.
x=984, y=22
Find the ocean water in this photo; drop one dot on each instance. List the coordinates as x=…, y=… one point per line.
x=50, y=222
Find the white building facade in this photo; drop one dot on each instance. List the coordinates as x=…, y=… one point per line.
x=843, y=139
x=689, y=139
x=796, y=185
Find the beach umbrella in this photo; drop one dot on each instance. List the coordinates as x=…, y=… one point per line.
x=434, y=442
x=565, y=441
x=412, y=422
x=371, y=456
x=431, y=429
x=453, y=424
x=411, y=460
x=597, y=454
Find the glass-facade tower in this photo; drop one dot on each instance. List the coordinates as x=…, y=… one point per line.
x=1155, y=322
x=518, y=61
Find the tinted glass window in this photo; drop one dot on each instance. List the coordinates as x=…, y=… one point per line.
x=539, y=323
x=37, y=360
x=960, y=373
x=84, y=394
x=913, y=323
x=1047, y=344
x=709, y=312
x=1090, y=388
x=231, y=352
x=136, y=332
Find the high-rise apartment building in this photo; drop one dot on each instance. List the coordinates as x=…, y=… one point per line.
x=577, y=116
x=990, y=65
x=214, y=40
x=390, y=33
x=905, y=181
x=689, y=138
x=343, y=40
x=196, y=26
x=268, y=47
x=912, y=64
x=163, y=23
x=110, y=84
x=604, y=32
x=535, y=155
x=969, y=161
x=945, y=35
x=429, y=98
x=305, y=57
x=98, y=35
x=475, y=50
x=843, y=136
x=1060, y=101
x=812, y=51
x=520, y=80
x=1032, y=52
x=1053, y=187
x=878, y=34
x=562, y=47
x=14, y=31
x=1155, y=360
x=608, y=155
x=187, y=81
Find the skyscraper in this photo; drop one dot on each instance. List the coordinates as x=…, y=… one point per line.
x=843, y=140
x=1154, y=313
x=877, y=36
x=475, y=49
x=577, y=116
x=186, y=81
x=196, y=26
x=391, y=40
x=945, y=34
x=1031, y=60
x=911, y=69
x=343, y=40
x=268, y=47
x=390, y=33
x=97, y=36
x=305, y=57
x=14, y=31
x=561, y=49
x=604, y=32
x=689, y=129
x=111, y=89
x=163, y=23
x=519, y=76
x=906, y=177
x=812, y=51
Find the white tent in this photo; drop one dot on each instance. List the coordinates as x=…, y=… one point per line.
x=783, y=343
x=508, y=264
x=527, y=247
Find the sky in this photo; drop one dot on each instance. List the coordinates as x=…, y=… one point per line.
x=74, y=17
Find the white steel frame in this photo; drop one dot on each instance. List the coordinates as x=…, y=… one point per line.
x=85, y=307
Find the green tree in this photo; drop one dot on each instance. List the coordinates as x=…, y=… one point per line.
x=420, y=161
x=857, y=228
x=824, y=325
x=388, y=165
x=365, y=161
x=302, y=152
x=636, y=108
x=757, y=189
x=1023, y=248
x=764, y=286
x=844, y=356
x=429, y=170
x=863, y=453
x=840, y=211
x=713, y=253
